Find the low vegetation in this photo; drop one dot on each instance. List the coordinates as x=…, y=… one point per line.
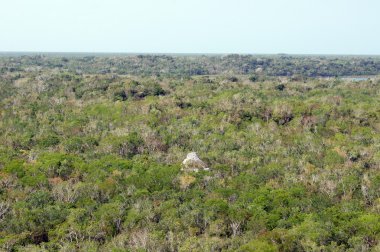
x=91, y=161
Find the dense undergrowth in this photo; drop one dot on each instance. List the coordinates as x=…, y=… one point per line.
x=91, y=162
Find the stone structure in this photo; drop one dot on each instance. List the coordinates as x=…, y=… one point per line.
x=193, y=163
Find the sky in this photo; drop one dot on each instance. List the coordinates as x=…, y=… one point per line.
x=191, y=26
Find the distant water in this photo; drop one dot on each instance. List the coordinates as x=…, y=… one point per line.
x=356, y=78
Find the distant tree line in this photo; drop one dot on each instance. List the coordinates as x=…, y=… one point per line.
x=189, y=65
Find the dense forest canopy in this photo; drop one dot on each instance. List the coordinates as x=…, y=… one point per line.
x=91, y=150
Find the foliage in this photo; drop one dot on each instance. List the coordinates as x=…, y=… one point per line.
x=90, y=156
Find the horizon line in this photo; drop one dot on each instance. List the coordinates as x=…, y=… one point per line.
x=181, y=53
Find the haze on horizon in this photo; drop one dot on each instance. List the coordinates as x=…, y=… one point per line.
x=198, y=26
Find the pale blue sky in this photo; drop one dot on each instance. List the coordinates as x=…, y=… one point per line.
x=192, y=26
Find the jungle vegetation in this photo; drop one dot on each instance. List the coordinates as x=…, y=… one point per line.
x=91, y=150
